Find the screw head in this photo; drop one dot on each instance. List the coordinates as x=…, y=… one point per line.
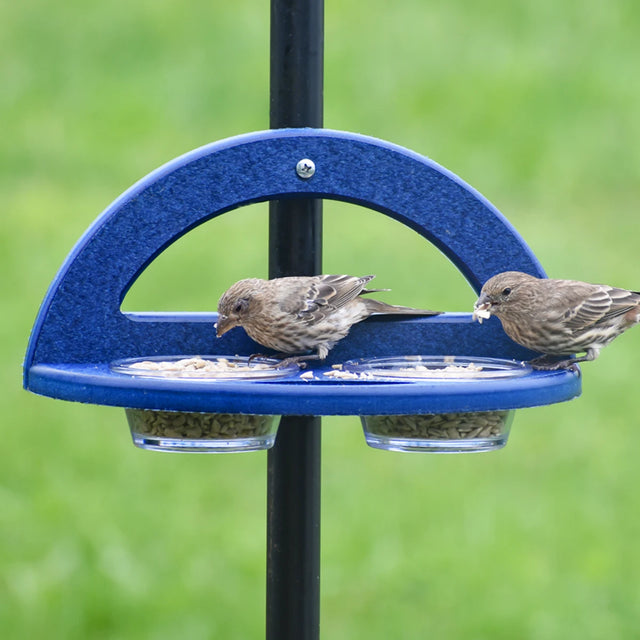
x=305, y=168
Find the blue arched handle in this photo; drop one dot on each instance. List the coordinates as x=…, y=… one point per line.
x=80, y=319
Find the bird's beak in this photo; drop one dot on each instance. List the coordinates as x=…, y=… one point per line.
x=482, y=309
x=223, y=325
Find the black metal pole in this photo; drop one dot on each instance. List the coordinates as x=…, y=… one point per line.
x=295, y=248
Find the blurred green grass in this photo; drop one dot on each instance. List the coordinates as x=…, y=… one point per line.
x=534, y=104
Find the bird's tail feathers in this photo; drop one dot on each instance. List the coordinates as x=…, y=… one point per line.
x=380, y=308
x=365, y=291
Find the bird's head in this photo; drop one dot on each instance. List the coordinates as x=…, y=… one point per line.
x=505, y=289
x=235, y=305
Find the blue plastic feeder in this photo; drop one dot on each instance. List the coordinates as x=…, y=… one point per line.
x=80, y=329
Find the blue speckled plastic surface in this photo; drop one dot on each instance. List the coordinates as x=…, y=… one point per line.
x=80, y=327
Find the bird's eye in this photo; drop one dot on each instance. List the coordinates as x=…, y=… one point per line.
x=506, y=291
x=241, y=305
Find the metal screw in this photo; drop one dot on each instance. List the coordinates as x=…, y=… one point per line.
x=305, y=168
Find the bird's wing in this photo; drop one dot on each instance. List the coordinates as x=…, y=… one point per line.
x=621, y=301
x=331, y=292
x=602, y=304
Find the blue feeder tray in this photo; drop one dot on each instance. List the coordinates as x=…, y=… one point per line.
x=80, y=329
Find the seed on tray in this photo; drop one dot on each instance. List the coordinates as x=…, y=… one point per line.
x=198, y=365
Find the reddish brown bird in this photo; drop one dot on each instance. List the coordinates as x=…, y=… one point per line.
x=558, y=318
x=299, y=314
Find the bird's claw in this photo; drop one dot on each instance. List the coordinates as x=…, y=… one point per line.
x=551, y=363
x=301, y=361
x=253, y=356
x=285, y=362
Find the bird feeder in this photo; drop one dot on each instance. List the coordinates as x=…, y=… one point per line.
x=82, y=340
x=84, y=348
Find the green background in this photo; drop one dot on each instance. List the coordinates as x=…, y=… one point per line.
x=535, y=104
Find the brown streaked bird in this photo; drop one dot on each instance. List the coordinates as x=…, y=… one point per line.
x=558, y=318
x=299, y=314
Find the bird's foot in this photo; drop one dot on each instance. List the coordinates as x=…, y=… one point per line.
x=285, y=361
x=551, y=363
x=301, y=361
x=254, y=356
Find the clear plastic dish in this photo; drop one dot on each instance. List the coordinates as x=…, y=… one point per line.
x=434, y=368
x=201, y=432
x=205, y=367
x=439, y=432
